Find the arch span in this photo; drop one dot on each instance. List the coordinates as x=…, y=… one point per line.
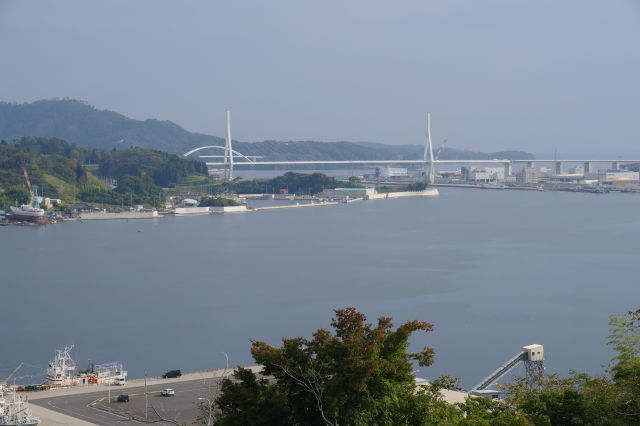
x=233, y=151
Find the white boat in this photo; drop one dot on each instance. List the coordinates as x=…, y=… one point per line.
x=28, y=213
x=14, y=409
x=60, y=370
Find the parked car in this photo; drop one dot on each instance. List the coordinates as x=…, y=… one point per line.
x=172, y=374
x=123, y=398
x=168, y=392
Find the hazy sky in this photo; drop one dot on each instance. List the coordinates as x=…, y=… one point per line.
x=531, y=75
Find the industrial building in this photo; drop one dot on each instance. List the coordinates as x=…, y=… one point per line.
x=618, y=177
x=391, y=172
x=485, y=174
x=347, y=193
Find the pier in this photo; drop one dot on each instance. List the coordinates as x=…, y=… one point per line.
x=89, y=404
x=294, y=206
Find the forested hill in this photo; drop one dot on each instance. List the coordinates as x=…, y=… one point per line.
x=62, y=170
x=86, y=126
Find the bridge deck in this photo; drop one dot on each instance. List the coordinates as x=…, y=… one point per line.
x=374, y=162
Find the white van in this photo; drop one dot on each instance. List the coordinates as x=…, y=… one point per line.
x=119, y=380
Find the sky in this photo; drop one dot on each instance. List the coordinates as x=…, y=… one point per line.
x=495, y=74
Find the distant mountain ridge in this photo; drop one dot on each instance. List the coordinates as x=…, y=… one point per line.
x=86, y=126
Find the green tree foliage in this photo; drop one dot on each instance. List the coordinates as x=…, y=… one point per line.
x=217, y=202
x=575, y=400
x=354, y=182
x=81, y=173
x=96, y=194
x=625, y=340
x=250, y=401
x=14, y=194
x=142, y=186
x=612, y=398
x=293, y=183
x=360, y=374
x=86, y=126
x=140, y=172
x=165, y=169
x=416, y=186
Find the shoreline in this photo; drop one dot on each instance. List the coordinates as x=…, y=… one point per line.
x=137, y=382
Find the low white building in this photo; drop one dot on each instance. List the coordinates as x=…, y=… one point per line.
x=618, y=177
x=567, y=177
x=189, y=202
x=228, y=209
x=344, y=193
x=387, y=172
x=486, y=174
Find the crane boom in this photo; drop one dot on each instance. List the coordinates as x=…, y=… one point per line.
x=13, y=373
x=26, y=177
x=440, y=148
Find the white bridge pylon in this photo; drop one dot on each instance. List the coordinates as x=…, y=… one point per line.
x=230, y=153
x=250, y=158
x=427, y=161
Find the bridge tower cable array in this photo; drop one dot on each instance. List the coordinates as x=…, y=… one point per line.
x=228, y=151
x=428, y=153
x=427, y=162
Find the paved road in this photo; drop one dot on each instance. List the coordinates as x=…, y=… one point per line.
x=183, y=407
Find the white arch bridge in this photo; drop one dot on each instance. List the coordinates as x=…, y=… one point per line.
x=232, y=158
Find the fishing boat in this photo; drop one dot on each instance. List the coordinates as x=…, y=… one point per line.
x=61, y=372
x=14, y=408
x=29, y=212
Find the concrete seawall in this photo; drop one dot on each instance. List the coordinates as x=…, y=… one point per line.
x=197, y=375
x=123, y=215
x=429, y=192
x=294, y=206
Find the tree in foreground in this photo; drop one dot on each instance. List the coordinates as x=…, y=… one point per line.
x=359, y=374
x=611, y=398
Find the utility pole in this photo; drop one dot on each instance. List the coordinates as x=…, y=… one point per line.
x=210, y=408
x=146, y=398
x=227, y=358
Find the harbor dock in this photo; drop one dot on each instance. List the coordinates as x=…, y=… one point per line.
x=294, y=206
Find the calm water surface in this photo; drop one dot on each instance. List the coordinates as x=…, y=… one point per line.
x=493, y=270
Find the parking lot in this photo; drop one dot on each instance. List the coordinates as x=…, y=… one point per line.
x=93, y=407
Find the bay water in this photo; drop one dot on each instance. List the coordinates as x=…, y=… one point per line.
x=492, y=270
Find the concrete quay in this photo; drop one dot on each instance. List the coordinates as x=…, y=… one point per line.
x=87, y=405
x=294, y=206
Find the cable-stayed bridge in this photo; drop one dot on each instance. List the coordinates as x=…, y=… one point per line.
x=233, y=158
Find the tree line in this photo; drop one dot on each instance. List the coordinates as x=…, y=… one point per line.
x=361, y=374
x=67, y=171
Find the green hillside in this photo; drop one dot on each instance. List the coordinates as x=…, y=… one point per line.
x=89, y=127
x=65, y=171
